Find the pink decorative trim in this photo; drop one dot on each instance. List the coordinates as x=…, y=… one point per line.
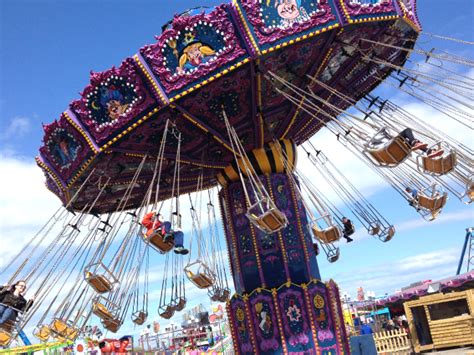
x=269, y=35
x=171, y=80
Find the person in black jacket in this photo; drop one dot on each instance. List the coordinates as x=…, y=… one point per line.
x=12, y=301
x=348, y=229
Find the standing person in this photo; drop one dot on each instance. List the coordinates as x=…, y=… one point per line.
x=12, y=301
x=210, y=336
x=348, y=229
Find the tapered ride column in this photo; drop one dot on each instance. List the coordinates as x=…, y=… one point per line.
x=280, y=305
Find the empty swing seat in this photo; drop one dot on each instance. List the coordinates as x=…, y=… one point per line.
x=61, y=329
x=101, y=311
x=166, y=312
x=6, y=333
x=99, y=277
x=439, y=165
x=139, y=317
x=391, y=153
x=5, y=337
x=201, y=280
x=112, y=325
x=98, y=282
x=42, y=333
x=200, y=274
x=156, y=240
x=181, y=304
x=333, y=255
x=224, y=295
x=374, y=228
x=433, y=204
x=470, y=193
x=266, y=217
x=329, y=235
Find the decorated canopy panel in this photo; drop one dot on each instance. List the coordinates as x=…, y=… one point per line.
x=213, y=61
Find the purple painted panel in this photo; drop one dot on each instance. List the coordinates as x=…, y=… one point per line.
x=272, y=20
x=293, y=237
x=265, y=322
x=241, y=326
x=295, y=319
x=64, y=148
x=113, y=99
x=193, y=47
x=322, y=316
x=251, y=274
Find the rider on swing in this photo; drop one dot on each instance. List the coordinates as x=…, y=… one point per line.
x=154, y=222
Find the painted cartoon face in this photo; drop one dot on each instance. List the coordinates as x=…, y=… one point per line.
x=195, y=55
x=64, y=147
x=115, y=109
x=288, y=9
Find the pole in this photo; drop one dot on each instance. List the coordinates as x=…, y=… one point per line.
x=468, y=237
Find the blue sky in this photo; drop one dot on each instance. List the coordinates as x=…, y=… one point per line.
x=48, y=48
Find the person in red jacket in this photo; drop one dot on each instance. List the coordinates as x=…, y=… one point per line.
x=153, y=221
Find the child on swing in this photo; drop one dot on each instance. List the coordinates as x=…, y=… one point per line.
x=154, y=222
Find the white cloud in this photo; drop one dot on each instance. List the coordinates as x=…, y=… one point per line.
x=394, y=274
x=25, y=204
x=18, y=127
x=464, y=215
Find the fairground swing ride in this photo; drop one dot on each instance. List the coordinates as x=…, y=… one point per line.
x=223, y=98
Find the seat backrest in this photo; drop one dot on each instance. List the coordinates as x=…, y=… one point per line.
x=328, y=235
x=5, y=337
x=393, y=152
x=441, y=165
x=432, y=203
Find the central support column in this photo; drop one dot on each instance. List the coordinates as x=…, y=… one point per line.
x=280, y=305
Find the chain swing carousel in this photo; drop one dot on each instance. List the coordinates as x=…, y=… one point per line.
x=223, y=97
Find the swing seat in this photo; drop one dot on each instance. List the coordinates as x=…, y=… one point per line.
x=333, y=255
x=166, y=312
x=437, y=166
x=101, y=311
x=181, y=304
x=5, y=337
x=374, y=228
x=201, y=280
x=385, y=237
x=59, y=327
x=111, y=324
x=214, y=296
x=139, y=317
x=441, y=165
x=99, y=282
x=99, y=277
x=432, y=204
x=7, y=333
x=200, y=274
x=266, y=217
x=329, y=235
x=389, y=154
x=224, y=295
x=468, y=195
x=156, y=240
x=42, y=333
